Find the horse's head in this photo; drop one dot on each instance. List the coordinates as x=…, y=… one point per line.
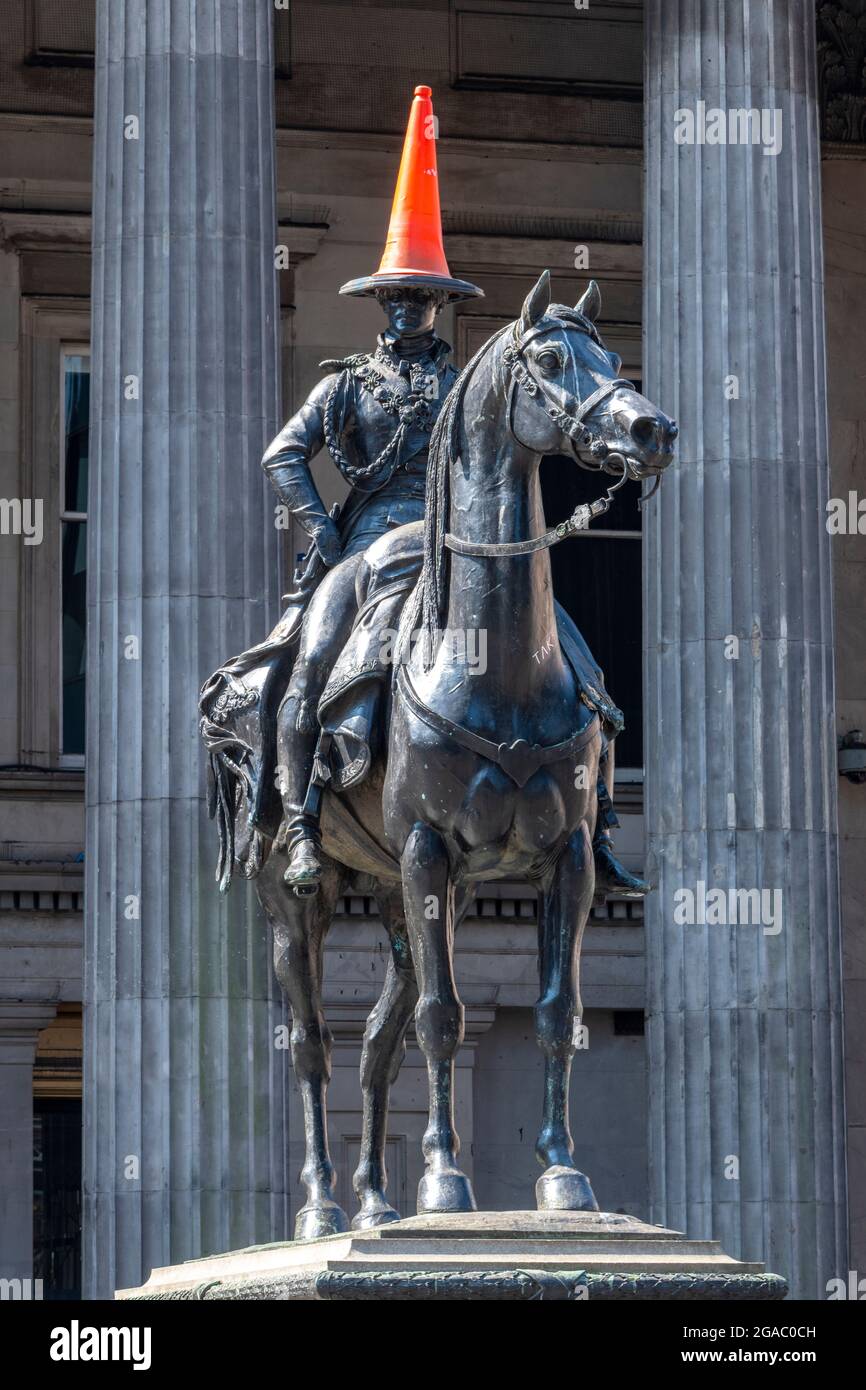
x=568, y=397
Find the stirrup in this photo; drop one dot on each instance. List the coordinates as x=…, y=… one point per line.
x=305, y=868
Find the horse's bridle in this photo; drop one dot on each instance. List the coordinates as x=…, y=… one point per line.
x=574, y=426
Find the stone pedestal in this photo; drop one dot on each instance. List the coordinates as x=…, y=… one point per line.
x=521, y=1255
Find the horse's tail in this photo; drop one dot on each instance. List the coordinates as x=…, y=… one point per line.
x=228, y=779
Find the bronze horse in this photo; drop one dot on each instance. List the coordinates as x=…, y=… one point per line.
x=474, y=775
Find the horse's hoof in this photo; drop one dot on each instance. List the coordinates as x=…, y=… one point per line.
x=564, y=1189
x=445, y=1192
x=374, y=1216
x=320, y=1219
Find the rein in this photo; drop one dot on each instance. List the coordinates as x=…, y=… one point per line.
x=578, y=521
x=518, y=760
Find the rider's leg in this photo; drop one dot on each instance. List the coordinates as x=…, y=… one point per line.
x=327, y=625
x=610, y=875
x=297, y=734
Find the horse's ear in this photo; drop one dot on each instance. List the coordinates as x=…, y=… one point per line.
x=589, y=303
x=536, y=302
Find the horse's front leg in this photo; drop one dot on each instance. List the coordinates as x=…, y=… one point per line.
x=564, y=908
x=300, y=926
x=429, y=904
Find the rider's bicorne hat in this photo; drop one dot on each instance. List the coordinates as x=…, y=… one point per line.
x=414, y=254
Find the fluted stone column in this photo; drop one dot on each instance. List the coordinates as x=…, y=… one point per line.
x=184, y=1092
x=744, y=1036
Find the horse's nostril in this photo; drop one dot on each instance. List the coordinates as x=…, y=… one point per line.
x=644, y=432
x=673, y=430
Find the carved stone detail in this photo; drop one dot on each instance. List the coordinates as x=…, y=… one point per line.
x=842, y=70
x=567, y=1285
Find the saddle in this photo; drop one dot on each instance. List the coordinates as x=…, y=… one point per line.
x=354, y=703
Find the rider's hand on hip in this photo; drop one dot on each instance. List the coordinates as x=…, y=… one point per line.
x=326, y=538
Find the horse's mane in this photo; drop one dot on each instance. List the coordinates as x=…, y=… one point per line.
x=431, y=593
x=428, y=604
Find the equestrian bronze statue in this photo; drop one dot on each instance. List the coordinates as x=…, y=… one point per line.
x=360, y=749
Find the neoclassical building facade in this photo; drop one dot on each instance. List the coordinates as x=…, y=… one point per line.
x=184, y=189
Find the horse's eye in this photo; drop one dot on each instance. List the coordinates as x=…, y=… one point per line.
x=548, y=361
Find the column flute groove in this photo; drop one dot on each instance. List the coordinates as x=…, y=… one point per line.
x=746, y=1136
x=185, y=1099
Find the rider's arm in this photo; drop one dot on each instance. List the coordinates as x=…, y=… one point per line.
x=287, y=464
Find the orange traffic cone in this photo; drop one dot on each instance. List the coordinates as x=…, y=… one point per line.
x=414, y=255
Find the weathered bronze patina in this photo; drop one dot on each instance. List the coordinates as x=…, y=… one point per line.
x=432, y=778
x=361, y=748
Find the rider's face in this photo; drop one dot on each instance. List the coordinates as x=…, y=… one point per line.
x=410, y=312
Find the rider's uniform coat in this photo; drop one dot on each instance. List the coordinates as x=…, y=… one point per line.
x=370, y=400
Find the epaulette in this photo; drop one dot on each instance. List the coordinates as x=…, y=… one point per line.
x=339, y=364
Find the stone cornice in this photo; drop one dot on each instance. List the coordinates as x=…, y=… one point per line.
x=22, y=1019
x=837, y=149
x=34, y=120
x=42, y=231
x=35, y=783
x=294, y=137
x=518, y=256
x=302, y=239
x=572, y=227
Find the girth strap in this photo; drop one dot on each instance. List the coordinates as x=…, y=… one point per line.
x=519, y=760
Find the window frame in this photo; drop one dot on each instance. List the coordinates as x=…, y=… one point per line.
x=49, y=326
x=609, y=12
x=67, y=349
x=39, y=53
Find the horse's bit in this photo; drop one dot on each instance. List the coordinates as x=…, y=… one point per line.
x=576, y=428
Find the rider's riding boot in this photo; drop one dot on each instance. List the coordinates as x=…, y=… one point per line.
x=305, y=864
x=611, y=877
x=297, y=735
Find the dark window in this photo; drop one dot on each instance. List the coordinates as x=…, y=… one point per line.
x=628, y=1023
x=597, y=579
x=76, y=448
x=57, y=1196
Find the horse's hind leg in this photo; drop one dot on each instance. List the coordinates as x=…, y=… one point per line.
x=562, y=916
x=381, y=1059
x=300, y=926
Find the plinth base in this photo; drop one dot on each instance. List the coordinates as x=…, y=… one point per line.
x=574, y=1256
